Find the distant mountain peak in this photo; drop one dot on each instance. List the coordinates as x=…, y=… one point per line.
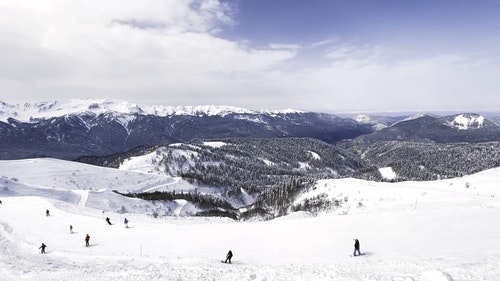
x=466, y=121
x=363, y=119
x=420, y=115
x=367, y=120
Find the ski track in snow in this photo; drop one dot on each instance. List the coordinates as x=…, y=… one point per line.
x=84, y=196
x=180, y=206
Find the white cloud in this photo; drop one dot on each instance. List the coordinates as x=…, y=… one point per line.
x=362, y=80
x=170, y=52
x=81, y=47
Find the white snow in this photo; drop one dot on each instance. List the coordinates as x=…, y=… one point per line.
x=463, y=122
x=387, y=173
x=363, y=119
x=255, y=119
x=409, y=231
x=303, y=165
x=314, y=155
x=43, y=110
x=215, y=144
x=416, y=116
x=267, y=161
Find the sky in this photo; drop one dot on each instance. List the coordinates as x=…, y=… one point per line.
x=316, y=55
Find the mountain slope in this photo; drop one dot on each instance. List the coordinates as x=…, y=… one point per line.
x=68, y=131
x=471, y=128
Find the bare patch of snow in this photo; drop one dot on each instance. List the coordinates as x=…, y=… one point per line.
x=314, y=155
x=387, y=173
x=215, y=144
x=465, y=122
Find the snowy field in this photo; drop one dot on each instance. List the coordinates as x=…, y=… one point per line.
x=429, y=231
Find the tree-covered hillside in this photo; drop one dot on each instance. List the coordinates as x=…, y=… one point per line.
x=255, y=164
x=266, y=175
x=423, y=161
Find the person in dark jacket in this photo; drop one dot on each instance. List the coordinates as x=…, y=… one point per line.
x=356, y=248
x=87, y=239
x=43, y=248
x=47, y=213
x=228, y=257
x=108, y=221
x=125, y=221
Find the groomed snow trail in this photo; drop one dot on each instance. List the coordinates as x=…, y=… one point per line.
x=84, y=196
x=407, y=246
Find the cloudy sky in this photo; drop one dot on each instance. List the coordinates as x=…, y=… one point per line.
x=318, y=55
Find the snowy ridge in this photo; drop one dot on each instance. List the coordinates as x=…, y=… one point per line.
x=418, y=115
x=365, y=119
x=467, y=121
x=414, y=117
x=43, y=110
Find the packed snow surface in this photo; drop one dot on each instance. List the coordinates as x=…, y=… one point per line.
x=411, y=231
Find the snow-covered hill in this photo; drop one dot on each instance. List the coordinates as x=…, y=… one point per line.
x=466, y=121
x=413, y=231
x=83, y=185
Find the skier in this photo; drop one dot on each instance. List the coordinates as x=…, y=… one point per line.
x=228, y=257
x=125, y=221
x=43, y=248
x=47, y=213
x=0, y=202
x=87, y=239
x=356, y=247
x=71, y=229
x=107, y=219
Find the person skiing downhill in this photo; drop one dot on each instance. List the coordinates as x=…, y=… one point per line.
x=87, y=239
x=70, y=229
x=43, y=248
x=356, y=248
x=228, y=257
x=125, y=221
x=108, y=221
x=47, y=213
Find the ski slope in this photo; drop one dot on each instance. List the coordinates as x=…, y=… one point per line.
x=412, y=231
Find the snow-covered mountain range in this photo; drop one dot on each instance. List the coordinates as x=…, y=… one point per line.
x=464, y=127
x=76, y=128
x=45, y=110
x=105, y=132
